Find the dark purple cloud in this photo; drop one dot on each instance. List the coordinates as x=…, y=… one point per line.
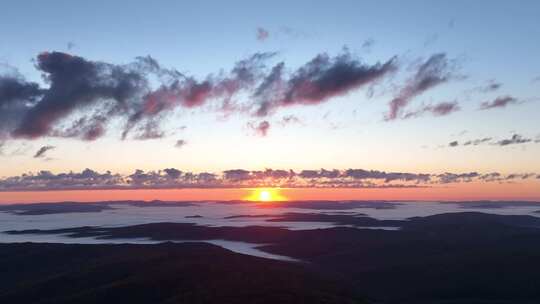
x=433, y=72
x=16, y=89
x=189, y=92
x=16, y=97
x=453, y=144
x=317, y=81
x=499, y=102
x=75, y=83
x=262, y=34
x=41, y=151
x=83, y=95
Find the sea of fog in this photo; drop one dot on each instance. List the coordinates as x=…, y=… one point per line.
x=231, y=214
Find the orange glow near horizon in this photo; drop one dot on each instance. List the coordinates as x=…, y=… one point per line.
x=265, y=195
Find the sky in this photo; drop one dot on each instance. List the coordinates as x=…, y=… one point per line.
x=377, y=98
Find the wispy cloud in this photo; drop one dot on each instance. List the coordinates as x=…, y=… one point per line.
x=368, y=44
x=261, y=128
x=262, y=34
x=71, y=45
x=440, y=109
x=180, y=143
x=499, y=102
x=289, y=120
x=431, y=73
x=41, y=151
x=491, y=86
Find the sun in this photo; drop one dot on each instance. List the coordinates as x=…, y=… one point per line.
x=265, y=195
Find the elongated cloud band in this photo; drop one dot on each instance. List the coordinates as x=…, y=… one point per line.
x=515, y=139
x=172, y=178
x=83, y=96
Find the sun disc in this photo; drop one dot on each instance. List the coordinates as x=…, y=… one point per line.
x=265, y=195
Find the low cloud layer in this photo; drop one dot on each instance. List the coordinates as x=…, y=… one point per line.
x=172, y=178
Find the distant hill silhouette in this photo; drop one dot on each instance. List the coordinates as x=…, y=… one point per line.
x=466, y=257
x=165, y=273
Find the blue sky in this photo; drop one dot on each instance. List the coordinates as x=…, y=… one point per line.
x=485, y=41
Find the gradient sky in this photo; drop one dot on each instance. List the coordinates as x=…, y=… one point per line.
x=491, y=81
